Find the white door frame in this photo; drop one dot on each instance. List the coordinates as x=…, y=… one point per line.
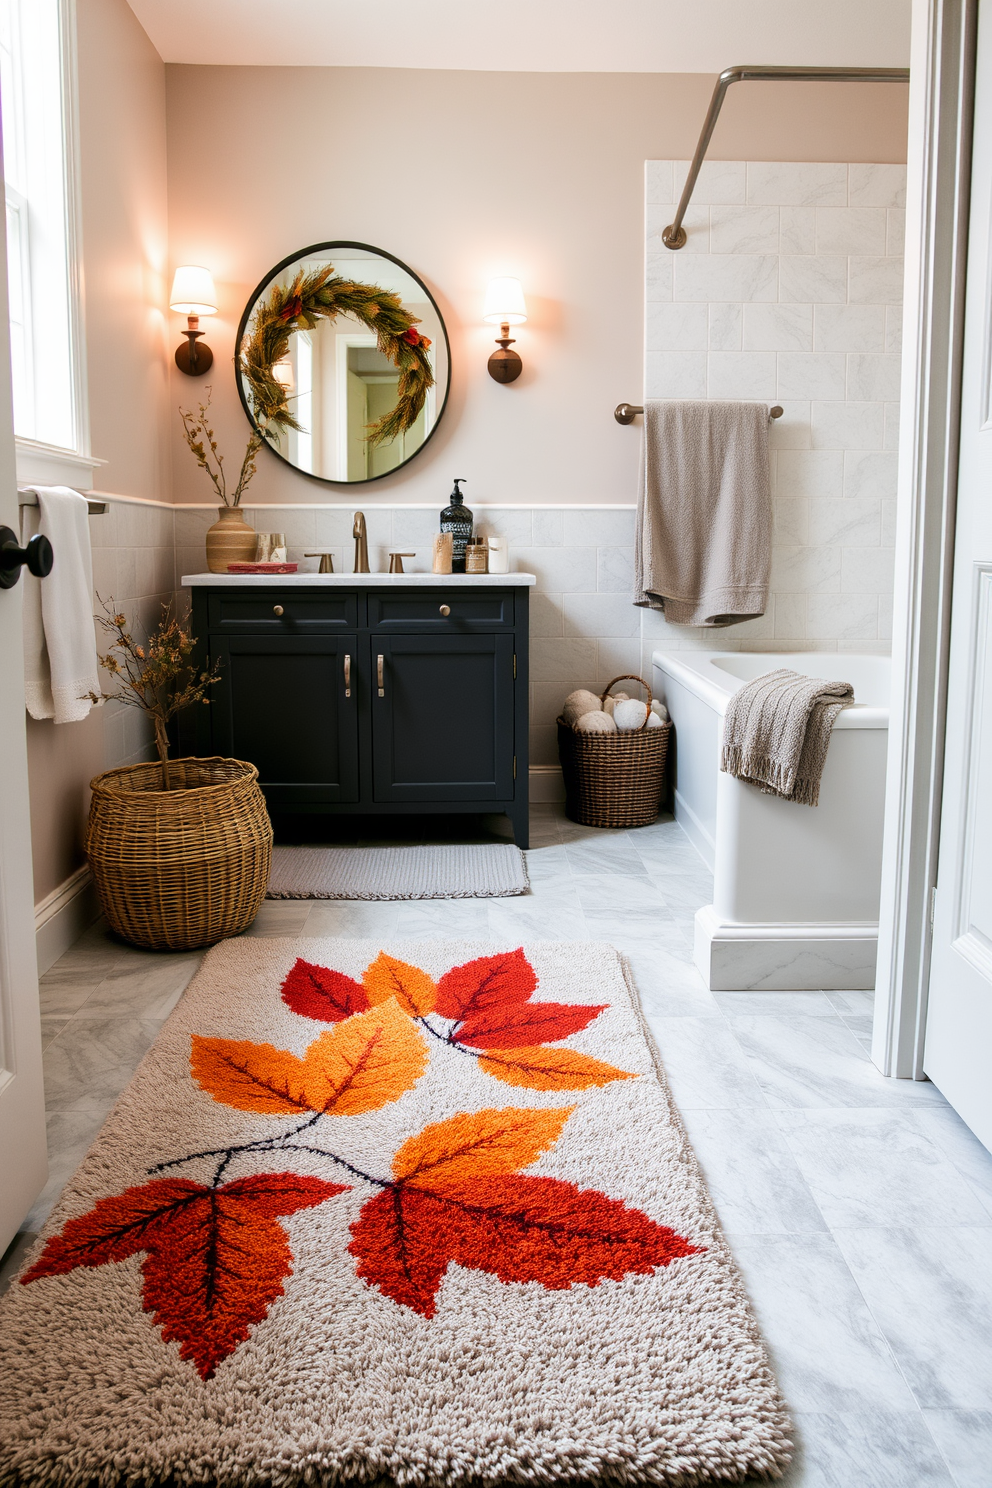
x=939, y=163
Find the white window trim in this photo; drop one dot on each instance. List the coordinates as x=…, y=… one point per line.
x=51, y=464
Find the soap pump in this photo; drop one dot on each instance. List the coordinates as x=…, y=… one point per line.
x=457, y=519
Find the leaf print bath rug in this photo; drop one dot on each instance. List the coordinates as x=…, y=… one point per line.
x=422, y=1211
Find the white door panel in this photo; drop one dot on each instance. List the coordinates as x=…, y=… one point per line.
x=958, y=1048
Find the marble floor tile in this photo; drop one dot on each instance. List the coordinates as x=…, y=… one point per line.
x=960, y=1145
x=752, y=1174
x=877, y=1167
x=613, y=853
x=803, y=1061
x=524, y=919
x=666, y=979
x=70, y=1135
x=281, y=917
x=737, y=1004
x=865, y=1449
x=547, y=862
x=62, y=995
x=434, y=919
x=51, y=1026
x=931, y=1293
x=93, y=1059
x=624, y=896
x=15, y=1256
x=965, y=1440
x=151, y=992
x=829, y=1352
x=704, y=1063
x=853, y=1003
x=349, y=919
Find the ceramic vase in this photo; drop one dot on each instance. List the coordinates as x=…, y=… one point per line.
x=230, y=540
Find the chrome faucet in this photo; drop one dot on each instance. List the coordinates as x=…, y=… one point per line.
x=361, y=544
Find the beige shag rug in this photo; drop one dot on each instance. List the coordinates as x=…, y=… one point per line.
x=484, y=870
x=424, y=1212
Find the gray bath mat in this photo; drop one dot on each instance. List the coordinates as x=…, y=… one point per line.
x=480, y=871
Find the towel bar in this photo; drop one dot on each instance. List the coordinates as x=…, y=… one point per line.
x=93, y=508
x=624, y=413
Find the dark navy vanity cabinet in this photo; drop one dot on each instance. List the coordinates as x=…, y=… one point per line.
x=371, y=700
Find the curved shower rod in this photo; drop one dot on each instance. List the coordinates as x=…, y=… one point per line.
x=674, y=235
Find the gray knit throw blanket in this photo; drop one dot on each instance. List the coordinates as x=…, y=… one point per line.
x=777, y=729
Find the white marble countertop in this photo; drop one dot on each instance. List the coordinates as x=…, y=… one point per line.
x=358, y=581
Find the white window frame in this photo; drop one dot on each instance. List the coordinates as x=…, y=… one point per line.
x=71, y=463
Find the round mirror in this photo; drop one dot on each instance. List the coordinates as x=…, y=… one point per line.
x=343, y=362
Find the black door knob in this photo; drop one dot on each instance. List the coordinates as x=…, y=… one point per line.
x=37, y=554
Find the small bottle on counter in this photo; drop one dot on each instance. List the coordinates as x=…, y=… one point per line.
x=477, y=556
x=457, y=519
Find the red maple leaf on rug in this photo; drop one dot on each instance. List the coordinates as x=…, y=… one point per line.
x=215, y=1258
x=320, y=993
x=457, y=1198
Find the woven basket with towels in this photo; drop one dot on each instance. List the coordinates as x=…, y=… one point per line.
x=614, y=779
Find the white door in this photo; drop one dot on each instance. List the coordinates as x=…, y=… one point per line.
x=958, y=1048
x=23, y=1159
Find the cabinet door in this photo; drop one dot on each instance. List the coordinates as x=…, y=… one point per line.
x=281, y=704
x=442, y=730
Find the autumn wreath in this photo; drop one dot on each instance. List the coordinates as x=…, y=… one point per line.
x=320, y=295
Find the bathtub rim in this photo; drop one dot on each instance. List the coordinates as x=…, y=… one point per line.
x=698, y=676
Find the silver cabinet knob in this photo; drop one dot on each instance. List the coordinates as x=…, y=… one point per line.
x=446, y=610
x=278, y=610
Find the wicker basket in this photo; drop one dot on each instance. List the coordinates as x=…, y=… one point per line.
x=614, y=780
x=181, y=867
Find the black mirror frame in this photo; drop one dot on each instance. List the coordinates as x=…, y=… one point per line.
x=263, y=284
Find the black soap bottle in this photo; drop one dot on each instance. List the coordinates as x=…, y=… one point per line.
x=457, y=519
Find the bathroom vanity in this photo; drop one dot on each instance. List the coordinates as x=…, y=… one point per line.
x=370, y=693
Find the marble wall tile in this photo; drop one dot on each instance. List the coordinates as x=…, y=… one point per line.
x=895, y=233
x=778, y=328
x=728, y=277
x=725, y=327
x=549, y=530
x=893, y=328
x=560, y=660
x=516, y=525
x=829, y=1353
x=606, y=527
x=797, y=233
x=615, y=570
x=877, y=1168
x=930, y=1290
x=809, y=473
x=891, y=437
x=872, y=376
x=696, y=223
x=602, y=615
x=875, y=281
x=786, y=183
x=741, y=374
x=791, y=431
x=850, y=230
x=848, y=426
x=736, y=229
x=813, y=280
x=790, y=616
x=658, y=183
x=870, y=473
x=877, y=185
x=546, y=614
x=849, y=328
x=675, y=374
x=719, y=181
x=867, y=571
x=659, y=275
x=790, y=521
x=677, y=326
x=845, y=521
x=805, y=570
x=558, y=570
x=811, y=375
x=842, y=616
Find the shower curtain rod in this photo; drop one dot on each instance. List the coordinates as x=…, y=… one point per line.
x=674, y=234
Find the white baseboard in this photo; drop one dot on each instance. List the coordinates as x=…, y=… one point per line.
x=546, y=784
x=62, y=916
x=734, y=957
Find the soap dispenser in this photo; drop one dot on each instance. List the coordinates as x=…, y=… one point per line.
x=457, y=519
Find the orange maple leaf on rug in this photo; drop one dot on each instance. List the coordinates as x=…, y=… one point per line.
x=458, y=1199
x=215, y=1257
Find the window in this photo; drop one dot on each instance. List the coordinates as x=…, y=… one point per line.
x=36, y=78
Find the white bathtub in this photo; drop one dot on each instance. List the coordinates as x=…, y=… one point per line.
x=795, y=889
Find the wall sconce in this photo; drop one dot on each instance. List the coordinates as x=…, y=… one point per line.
x=504, y=307
x=193, y=295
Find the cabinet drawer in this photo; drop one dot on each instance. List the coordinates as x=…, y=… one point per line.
x=302, y=611
x=420, y=610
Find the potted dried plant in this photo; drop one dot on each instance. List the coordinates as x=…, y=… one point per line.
x=231, y=539
x=179, y=849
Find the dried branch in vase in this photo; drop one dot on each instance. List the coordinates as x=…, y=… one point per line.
x=203, y=445
x=159, y=676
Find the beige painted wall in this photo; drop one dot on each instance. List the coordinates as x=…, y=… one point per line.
x=124, y=234
x=537, y=175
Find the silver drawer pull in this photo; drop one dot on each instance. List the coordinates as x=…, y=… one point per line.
x=446, y=611
x=278, y=610
x=347, y=676
x=379, y=662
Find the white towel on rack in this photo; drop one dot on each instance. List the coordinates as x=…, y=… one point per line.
x=60, y=660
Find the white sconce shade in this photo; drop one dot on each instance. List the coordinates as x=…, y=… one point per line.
x=505, y=304
x=193, y=291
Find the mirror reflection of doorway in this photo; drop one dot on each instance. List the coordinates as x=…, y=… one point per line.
x=371, y=384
